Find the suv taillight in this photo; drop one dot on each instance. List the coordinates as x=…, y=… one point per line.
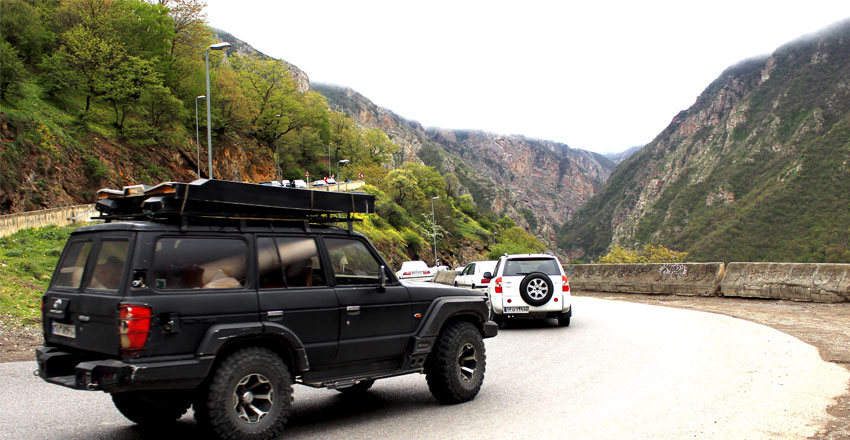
x=498, y=285
x=565, y=287
x=485, y=280
x=133, y=328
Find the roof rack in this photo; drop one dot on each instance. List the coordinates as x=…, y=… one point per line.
x=225, y=199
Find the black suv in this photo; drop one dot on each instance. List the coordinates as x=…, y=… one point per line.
x=221, y=295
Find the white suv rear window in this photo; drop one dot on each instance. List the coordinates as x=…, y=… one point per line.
x=525, y=266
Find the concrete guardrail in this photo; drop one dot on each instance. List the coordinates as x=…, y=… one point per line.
x=687, y=279
x=9, y=224
x=445, y=277
x=829, y=283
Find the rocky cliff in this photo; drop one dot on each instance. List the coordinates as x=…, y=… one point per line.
x=755, y=170
x=540, y=184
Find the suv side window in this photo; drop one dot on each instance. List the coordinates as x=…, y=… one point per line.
x=199, y=263
x=288, y=262
x=352, y=262
x=109, y=268
x=70, y=271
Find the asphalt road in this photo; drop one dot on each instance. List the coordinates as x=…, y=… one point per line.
x=621, y=370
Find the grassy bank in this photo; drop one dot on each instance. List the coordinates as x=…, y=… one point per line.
x=27, y=260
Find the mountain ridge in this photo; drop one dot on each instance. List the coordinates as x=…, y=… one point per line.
x=747, y=173
x=540, y=194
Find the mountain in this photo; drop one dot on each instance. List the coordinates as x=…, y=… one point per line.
x=540, y=184
x=623, y=155
x=756, y=170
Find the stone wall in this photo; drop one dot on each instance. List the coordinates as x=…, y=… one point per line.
x=802, y=282
x=9, y=224
x=688, y=279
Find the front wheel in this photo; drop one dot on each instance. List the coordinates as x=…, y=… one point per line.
x=455, y=369
x=250, y=396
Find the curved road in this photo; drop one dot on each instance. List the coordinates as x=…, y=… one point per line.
x=622, y=370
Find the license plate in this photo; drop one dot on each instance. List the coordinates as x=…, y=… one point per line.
x=68, y=331
x=516, y=309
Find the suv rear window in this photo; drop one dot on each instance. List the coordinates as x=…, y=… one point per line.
x=110, y=265
x=199, y=263
x=70, y=271
x=525, y=266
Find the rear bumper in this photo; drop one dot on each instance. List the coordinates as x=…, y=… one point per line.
x=112, y=375
x=537, y=314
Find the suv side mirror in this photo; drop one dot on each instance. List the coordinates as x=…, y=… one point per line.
x=382, y=280
x=487, y=275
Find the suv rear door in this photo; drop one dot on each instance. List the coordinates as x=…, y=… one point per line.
x=193, y=282
x=81, y=305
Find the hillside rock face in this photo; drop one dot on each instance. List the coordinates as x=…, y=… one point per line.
x=755, y=170
x=540, y=184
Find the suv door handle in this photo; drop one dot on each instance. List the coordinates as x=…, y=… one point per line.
x=353, y=310
x=274, y=313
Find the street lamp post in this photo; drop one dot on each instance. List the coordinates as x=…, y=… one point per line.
x=434, y=223
x=197, y=138
x=339, y=165
x=277, y=152
x=217, y=46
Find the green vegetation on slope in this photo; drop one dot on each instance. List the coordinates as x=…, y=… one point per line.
x=27, y=260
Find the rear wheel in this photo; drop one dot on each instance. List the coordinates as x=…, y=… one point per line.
x=564, y=320
x=250, y=396
x=455, y=369
x=150, y=408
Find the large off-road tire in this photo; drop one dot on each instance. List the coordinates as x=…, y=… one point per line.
x=360, y=388
x=455, y=368
x=152, y=408
x=536, y=289
x=250, y=397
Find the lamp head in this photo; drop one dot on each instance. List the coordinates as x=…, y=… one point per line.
x=219, y=46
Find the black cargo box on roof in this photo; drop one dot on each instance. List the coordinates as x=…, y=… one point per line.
x=221, y=198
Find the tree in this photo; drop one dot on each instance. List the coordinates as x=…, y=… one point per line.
x=12, y=70
x=515, y=240
x=161, y=108
x=267, y=84
x=144, y=30
x=403, y=187
x=22, y=27
x=123, y=84
x=81, y=62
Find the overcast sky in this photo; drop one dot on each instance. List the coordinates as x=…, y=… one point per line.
x=596, y=75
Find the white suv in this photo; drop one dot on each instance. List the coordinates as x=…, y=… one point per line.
x=529, y=286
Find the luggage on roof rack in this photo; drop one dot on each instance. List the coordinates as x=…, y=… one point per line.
x=221, y=198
